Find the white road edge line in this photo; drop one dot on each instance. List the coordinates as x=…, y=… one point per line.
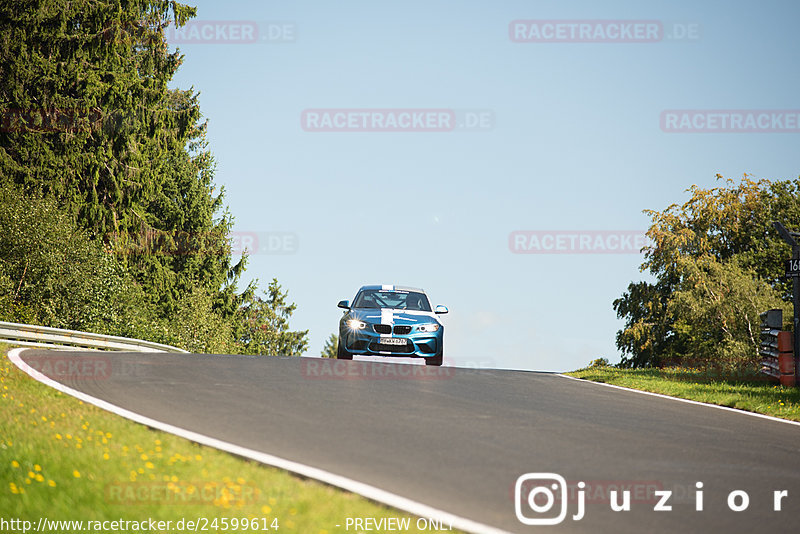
x=688, y=401
x=365, y=490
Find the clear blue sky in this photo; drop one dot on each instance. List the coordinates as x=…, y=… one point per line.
x=575, y=144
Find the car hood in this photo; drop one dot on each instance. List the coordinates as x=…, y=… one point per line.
x=390, y=316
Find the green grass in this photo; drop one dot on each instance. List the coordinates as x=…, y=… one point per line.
x=751, y=393
x=65, y=460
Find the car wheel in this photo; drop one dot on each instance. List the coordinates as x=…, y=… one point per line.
x=342, y=353
x=436, y=360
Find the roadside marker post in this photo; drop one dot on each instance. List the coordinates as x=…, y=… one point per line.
x=777, y=357
x=793, y=271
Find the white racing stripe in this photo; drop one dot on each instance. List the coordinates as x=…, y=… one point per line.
x=370, y=492
x=387, y=317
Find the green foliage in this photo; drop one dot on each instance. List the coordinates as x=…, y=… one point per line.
x=331, y=347
x=89, y=120
x=196, y=327
x=599, y=362
x=52, y=273
x=265, y=325
x=717, y=263
x=127, y=233
x=717, y=312
x=647, y=338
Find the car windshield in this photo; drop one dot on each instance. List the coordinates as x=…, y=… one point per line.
x=400, y=300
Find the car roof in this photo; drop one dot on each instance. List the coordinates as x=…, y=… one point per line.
x=390, y=287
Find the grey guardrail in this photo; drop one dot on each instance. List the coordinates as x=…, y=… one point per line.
x=45, y=336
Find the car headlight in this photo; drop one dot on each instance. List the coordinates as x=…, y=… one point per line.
x=433, y=327
x=355, y=324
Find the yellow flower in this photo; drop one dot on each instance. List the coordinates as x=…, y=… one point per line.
x=265, y=509
x=37, y=467
x=76, y=474
x=51, y=483
x=58, y=436
x=14, y=463
x=149, y=465
x=105, y=456
x=39, y=477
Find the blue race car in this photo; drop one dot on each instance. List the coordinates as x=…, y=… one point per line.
x=391, y=321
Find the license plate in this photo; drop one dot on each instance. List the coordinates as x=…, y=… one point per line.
x=393, y=341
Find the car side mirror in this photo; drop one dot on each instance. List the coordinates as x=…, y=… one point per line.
x=440, y=309
x=344, y=304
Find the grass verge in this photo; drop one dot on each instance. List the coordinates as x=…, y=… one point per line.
x=62, y=459
x=750, y=393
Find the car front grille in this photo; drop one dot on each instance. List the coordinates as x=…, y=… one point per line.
x=400, y=329
x=402, y=349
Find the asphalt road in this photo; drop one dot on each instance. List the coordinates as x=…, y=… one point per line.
x=458, y=441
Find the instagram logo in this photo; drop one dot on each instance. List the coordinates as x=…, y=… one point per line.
x=535, y=496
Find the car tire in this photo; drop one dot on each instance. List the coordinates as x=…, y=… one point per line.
x=435, y=360
x=342, y=353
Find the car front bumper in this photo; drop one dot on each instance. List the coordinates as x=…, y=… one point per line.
x=418, y=345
